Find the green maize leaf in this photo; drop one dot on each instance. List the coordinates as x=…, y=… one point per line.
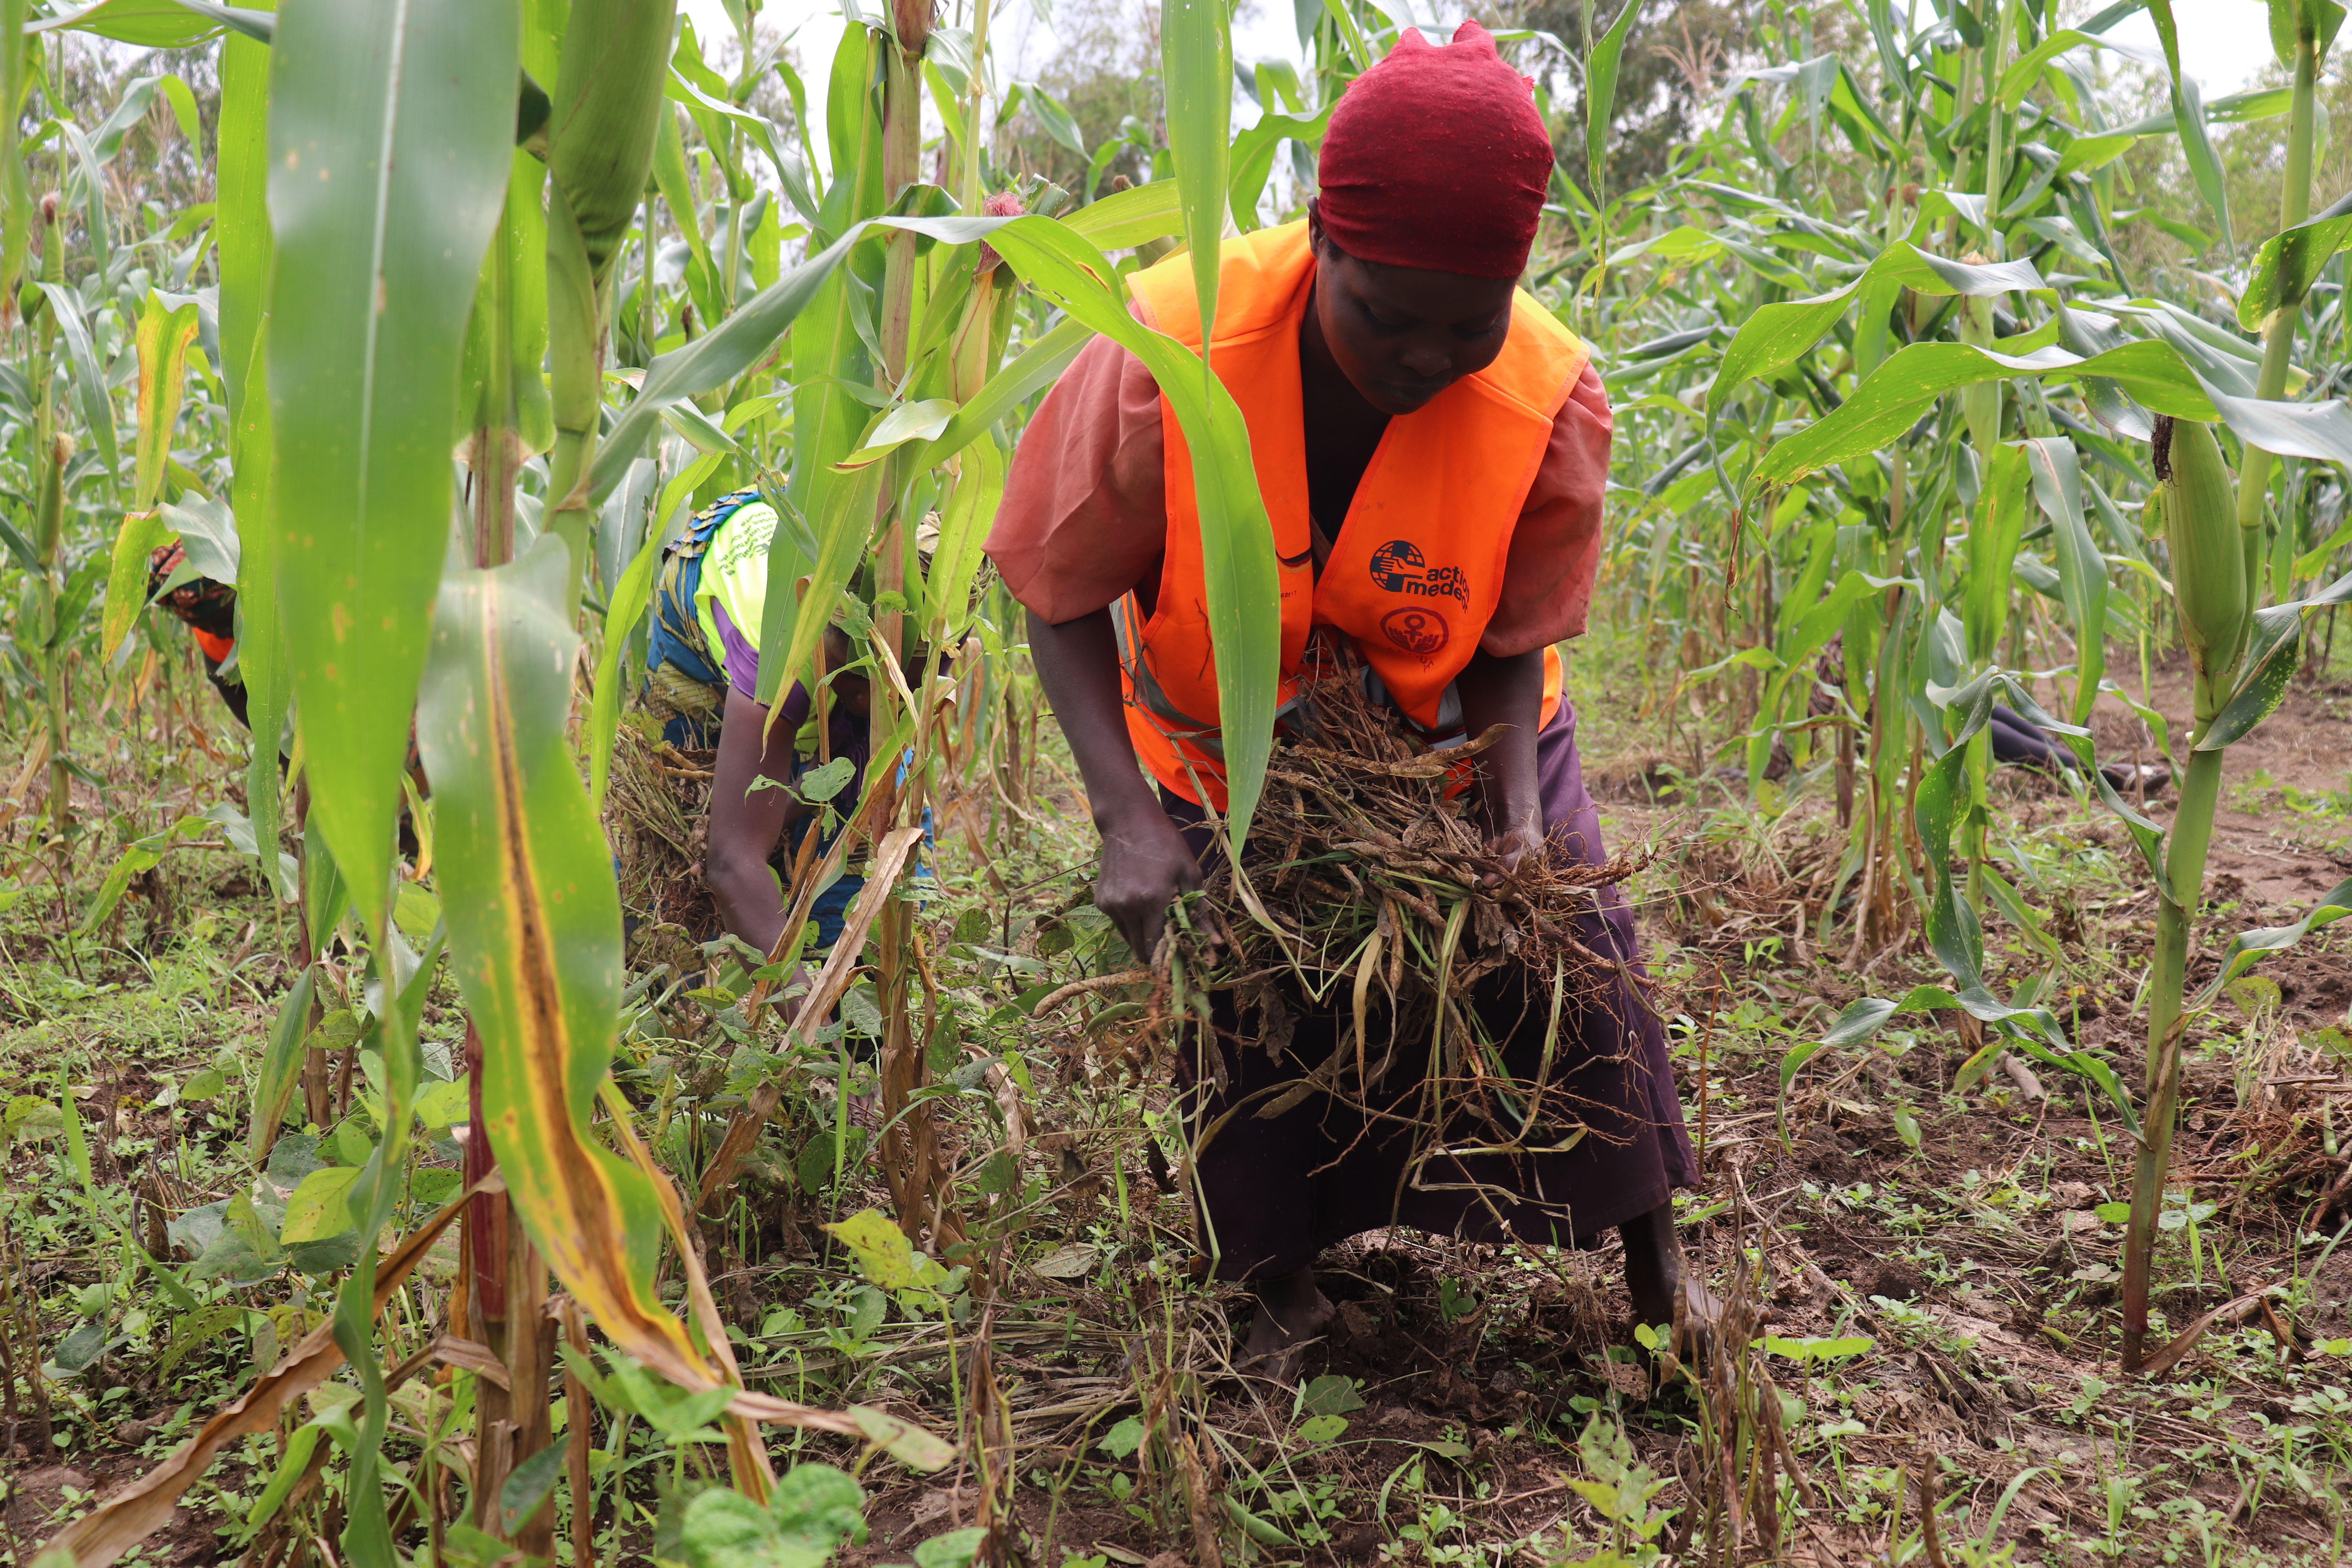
x=2086, y=153
x=676, y=187
x=162, y=337
x=390, y=130
x=1196, y=63
x=844, y=523
x=1130, y=217
x=1993, y=536
x=535, y=940
x=2237, y=109
x=2249, y=948
x=148, y=24
x=1044, y=360
x=2272, y=652
x=2188, y=116
x=142, y=854
x=718, y=357
x=106, y=143
x=2287, y=266
x=631, y=594
x=2082, y=570
x=1055, y=119
x=1775, y=336
x=1858, y=1023
x=2019, y=78
x=1237, y=540
x=1893, y=63
x=1601, y=94
x=1253, y=159
x=388, y=168
x=2154, y=373
x=89, y=376
x=281, y=1065
x=922, y=421
x=126, y=574
x=964, y=524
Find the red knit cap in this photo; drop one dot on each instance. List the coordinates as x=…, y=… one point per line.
x=1436, y=160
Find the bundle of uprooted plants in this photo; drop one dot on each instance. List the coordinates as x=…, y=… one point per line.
x=658, y=814
x=1371, y=893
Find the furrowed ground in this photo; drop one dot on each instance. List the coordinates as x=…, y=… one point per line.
x=1920, y=1278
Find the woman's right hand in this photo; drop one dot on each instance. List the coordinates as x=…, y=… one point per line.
x=1146, y=865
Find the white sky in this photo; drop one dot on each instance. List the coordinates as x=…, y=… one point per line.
x=2224, y=43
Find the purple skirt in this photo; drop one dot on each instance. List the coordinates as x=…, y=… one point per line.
x=1275, y=1192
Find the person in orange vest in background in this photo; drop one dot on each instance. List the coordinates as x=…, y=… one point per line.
x=209, y=610
x=1432, y=446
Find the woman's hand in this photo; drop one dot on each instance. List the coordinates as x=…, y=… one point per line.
x=1506, y=691
x=1144, y=862
x=1146, y=866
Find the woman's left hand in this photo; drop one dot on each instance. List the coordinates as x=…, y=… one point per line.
x=1507, y=691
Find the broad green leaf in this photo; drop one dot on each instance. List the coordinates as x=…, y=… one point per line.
x=1858, y=1023
x=882, y=1253
x=908, y=1444
x=2154, y=373
x=534, y=921
x=1252, y=159
x=921, y=421
x=605, y=108
x=2286, y=267
x=16, y=210
x=319, y=1208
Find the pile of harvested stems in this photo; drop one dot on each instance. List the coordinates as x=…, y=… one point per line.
x=1370, y=894
x=658, y=815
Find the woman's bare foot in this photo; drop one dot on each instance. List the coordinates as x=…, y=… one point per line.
x=1290, y=1314
x=1654, y=1276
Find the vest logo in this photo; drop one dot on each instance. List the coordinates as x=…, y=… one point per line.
x=1399, y=567
x=1421, y=632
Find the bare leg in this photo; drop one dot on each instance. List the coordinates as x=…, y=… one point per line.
x=1653, y=1269
x=1290, y=1312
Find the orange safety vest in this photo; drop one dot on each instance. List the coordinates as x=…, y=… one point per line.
x=1416, y=568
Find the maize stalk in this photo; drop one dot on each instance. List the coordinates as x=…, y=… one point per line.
x=2200, y=520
